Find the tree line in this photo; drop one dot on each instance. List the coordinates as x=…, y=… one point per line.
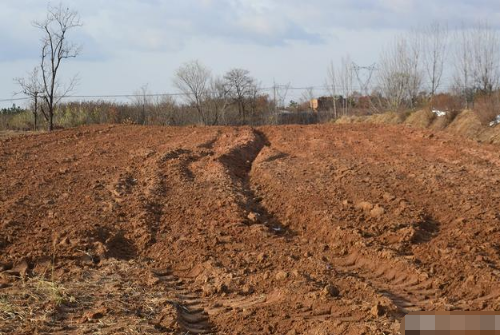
x=410, y=73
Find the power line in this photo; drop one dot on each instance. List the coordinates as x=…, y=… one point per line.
x=13, y=99
x=323, y=88
x=140, y=95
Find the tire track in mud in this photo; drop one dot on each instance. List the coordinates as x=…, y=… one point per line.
x=386, y=260
x=446, y=177
x=234, y=156
x=386, y=271
x=230, y=157
x=210, y=184
x=237, y=155
x=144, y=186
x=189, y=305
x=147, y=186
x=405, y=286
x=388, y=266
x=409, y=289
x=239, y=162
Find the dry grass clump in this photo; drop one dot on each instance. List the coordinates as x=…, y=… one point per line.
x=100, y=300
x=389, y=118
x=36, y=301
x=381, y=118
x=466, y=124
x=421, y=119
x=350, y=119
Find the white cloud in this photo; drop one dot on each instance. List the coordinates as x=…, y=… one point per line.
x=130, y=42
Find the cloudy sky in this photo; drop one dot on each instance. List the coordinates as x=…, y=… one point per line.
x=129, y=43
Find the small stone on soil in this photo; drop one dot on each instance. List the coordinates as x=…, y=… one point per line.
x=281, y=275
x=378, y=211
x=364, y=205
x=330, y=291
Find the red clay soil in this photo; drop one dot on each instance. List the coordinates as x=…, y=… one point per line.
x=330, y=229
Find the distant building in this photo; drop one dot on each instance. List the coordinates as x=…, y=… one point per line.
x=321, y=104
x=313, y=104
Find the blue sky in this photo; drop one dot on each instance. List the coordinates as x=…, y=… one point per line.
x=128, y=43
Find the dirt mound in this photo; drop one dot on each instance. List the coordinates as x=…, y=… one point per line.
x=421, y=119
x=277, y=230
x=465, y=123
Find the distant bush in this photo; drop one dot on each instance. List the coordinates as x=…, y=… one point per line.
x=166, y=111
x=15, y=119
x=446, y=102
x=487, y=108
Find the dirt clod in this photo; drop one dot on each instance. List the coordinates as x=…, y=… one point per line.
x=281, y=275
x=377, y=211
x=253, y=217
x=330, y=291
x=364, y=205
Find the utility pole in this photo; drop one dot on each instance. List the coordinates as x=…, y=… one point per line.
x=275, y=105
x=334, y=100
x=333, y=80
x=35, y=113
x=364, y=81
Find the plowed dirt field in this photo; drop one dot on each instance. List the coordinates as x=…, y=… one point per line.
x=328, y=229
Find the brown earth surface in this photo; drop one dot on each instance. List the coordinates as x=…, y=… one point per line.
x=10, y=133
x=325, y=229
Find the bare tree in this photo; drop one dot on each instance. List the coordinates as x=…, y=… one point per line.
x=162, y=110
x=339, y=81
x=435, y=47
x=142, y=102
x=413, y=65
x=193, y=80
x=31, y=87
x=477, y=63
x=392, y=77
x=399, y=75
x=464, y=64
x=242, y=86
x=169, y=110
x=331, y=86
x=345, y=80
x=218, y=100
x=486, y=50
x=55, y=48
x=253, y=98
x=152, y=108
